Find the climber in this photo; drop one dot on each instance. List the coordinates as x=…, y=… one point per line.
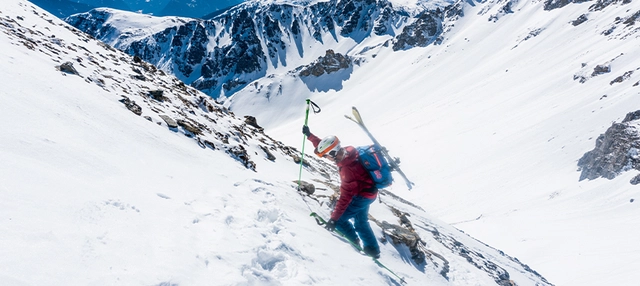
x=357, y=192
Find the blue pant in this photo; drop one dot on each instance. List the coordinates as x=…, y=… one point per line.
x=358, y=209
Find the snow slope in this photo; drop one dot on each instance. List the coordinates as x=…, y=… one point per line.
x=490, y=126
x=92, y=193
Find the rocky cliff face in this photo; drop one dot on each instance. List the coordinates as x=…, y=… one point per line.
x=616, y=151
x=221, y=55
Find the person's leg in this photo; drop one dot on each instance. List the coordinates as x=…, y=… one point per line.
x=344, y=226
x=363, y=229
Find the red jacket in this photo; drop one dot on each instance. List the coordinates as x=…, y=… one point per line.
x=353, y=179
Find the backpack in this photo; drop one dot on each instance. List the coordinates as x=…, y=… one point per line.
x=376, y=164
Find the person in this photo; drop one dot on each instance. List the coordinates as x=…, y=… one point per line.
x=357, y=192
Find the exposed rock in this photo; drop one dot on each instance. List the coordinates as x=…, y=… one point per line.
x=240, y=153
x=424, y=31
x=252, y=121
x=580, y=20
x=131, y=105
x=504, y=10
x=296, y=159
x=189, y=127
x=209, y=144
x=622, y=78
x=601, y=69
x=616, y=151
x=170, y=122
x=555, y=4
x=68, y=68
x=139, y=77
x=306, y=187
x=270, y=156
x=631, y=20
x=631, y=116
x=330, y=62
x=601, y=4
x=157, y=95
x=400, y=235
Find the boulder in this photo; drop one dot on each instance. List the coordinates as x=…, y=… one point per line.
x=170, y=122
x=306, y=187
x=252, y=121
x=68, y=68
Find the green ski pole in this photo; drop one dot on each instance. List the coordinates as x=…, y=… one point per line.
x=304, y=140
x=304, y=136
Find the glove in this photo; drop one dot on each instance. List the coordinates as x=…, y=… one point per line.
x=331, y=225
x=306, y=131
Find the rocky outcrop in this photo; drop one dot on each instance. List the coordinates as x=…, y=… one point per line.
x=67, y=67
x=131, y=105
x=601, y=4
x=622, y=78
x=616, y=151
x=424, y=31
x=252, y=121
x=601, y=69
x=240, y=153
x=555, y=4
x=330, y=62
x=581, y=19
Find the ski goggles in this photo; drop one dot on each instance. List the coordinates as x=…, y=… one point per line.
x=332, y=154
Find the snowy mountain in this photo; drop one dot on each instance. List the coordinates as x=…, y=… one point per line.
x=195, y=8
x=223, y=55
x=183, y=8
x=115, y=172
x=518, y=122
x=64, y=8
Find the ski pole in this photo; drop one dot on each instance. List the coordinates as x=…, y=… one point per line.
x=304, y=140
x=304, y=136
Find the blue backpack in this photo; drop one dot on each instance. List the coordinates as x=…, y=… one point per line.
x=376, y=164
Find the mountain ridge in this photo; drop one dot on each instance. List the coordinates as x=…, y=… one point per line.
x=278, y=38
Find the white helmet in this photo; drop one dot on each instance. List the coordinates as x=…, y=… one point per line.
x=326, y=145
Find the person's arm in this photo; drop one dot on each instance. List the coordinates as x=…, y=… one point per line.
x=314, y=139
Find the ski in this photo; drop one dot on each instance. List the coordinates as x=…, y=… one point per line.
x=394, y=162
x=322, y=222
